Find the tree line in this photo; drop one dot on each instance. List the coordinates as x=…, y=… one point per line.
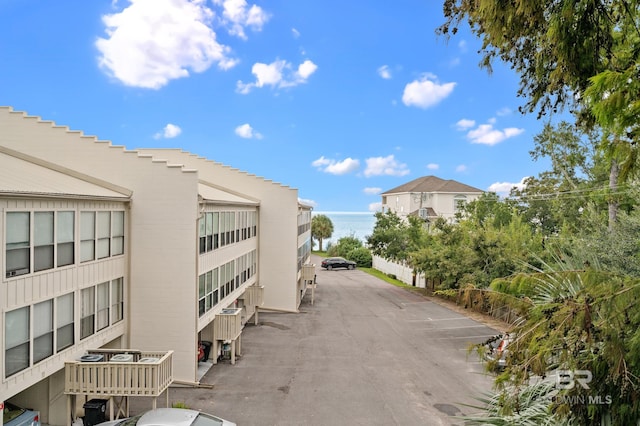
x=565, y=246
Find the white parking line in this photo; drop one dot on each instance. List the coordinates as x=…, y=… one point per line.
x=455, y=328
x=465, y=337
x=439, y=319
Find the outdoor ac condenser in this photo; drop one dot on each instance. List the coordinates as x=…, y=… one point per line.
x=122, y=358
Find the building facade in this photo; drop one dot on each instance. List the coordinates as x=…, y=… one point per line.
x=105, y=247
x=429, y=197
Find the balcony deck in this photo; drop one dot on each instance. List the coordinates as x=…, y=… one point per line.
x=109, y=378
x=148, y=374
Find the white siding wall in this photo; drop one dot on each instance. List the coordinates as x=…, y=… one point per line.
x=164, y=213
x=277, y=229
x=29, y=289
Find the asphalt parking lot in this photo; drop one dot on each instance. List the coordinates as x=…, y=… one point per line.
x=365, y=353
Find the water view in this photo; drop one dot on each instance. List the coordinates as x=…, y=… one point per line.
x=345, y=224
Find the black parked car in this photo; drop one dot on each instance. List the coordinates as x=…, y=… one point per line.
x=337, y=262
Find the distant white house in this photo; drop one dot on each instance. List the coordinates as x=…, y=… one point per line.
x=429, y=197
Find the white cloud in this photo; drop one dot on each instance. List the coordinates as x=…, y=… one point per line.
x=308, y=202
x=372, y=191
x=152, y=42
x=485, y=134
x=305, y=70
x=384, y=72
x=170, y=131
x=462, y=45
x=334, y=167
x=461, y=168
x=375, y=207
x=295, y=33
x=465, y=124
x=237, y=15
x=433, y=166
x=503, y=188
x=385, y=166
x=426, y=92
x=247, y=132
x=277, y=74
x=503, y=111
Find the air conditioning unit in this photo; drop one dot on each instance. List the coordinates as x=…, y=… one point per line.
x=122, y=358
x=148, y=360
x=91, y=358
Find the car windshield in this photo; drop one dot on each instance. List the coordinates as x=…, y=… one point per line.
x=10, y=412
x=207, y=420
x=131, y=421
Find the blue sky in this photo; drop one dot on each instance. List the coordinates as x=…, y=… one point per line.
x=340, y=99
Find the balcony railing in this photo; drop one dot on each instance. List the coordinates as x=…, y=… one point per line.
x=227, y=324
x=253, y=295
x=147, y=374
x=309, y=272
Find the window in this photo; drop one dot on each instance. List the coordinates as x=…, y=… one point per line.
x=87, y=236
x=104, y=235
x=117, y=239
x=215, y=298
x=459, y=202
x=43, y=241
x=87, y=312
x=117, y=300
x=16, y=331
x=223, y=278
x=216, y=230
x=202, y=234
x=65, y=238
x=211, y=232
x=223, y=228
x=102, y=302
x=211, y=217
x=207, y=291
x=64, y=322
x=202, y=294
x=18, y=244
x=42, y=330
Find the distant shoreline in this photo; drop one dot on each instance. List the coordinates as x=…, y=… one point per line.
x=370, y=213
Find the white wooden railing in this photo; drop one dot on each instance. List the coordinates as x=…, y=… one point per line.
x=148, y=377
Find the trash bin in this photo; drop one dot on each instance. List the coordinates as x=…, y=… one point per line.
x=206, y=347
x=95, y=411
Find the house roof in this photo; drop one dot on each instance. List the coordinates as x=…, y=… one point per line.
x=432, y=184
x=431, y=213
x=22, y=175
x=211, y=193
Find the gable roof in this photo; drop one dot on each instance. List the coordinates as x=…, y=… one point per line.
x=212, y=193
x=432, y=184
x=23, y=175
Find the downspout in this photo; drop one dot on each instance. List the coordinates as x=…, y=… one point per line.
x=201, y=207
x=128, y=258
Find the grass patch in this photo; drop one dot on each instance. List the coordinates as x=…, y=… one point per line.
x=384, y=277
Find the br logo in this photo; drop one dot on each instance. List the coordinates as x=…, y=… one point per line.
x=567, y=379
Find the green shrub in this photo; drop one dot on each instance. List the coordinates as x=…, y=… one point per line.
x=344, y=246
x=362, y=256
x=179, y=404
x=500, y=284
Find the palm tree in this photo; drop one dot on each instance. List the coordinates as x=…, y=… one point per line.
x=321, y=228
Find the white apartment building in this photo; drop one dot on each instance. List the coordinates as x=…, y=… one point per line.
x=429, y=197
x=109, y=248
